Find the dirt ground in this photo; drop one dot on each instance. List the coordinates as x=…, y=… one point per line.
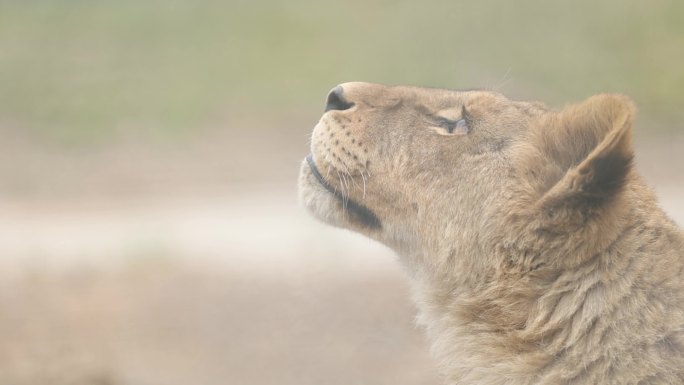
x=224, y=291
x=126, y=283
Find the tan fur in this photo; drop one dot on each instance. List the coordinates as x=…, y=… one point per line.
x=537, y=254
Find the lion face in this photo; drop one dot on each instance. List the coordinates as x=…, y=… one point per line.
x=385, y=161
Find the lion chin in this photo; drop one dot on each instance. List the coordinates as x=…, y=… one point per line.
x=329, y=204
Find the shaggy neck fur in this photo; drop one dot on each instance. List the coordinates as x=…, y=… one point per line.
x=567, y=289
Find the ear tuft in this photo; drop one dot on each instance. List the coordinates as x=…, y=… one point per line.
x=604, y=172
x=599, y=132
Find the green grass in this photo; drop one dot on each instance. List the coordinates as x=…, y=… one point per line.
x=86, y=70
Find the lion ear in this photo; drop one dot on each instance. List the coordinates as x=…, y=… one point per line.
x=592, y=143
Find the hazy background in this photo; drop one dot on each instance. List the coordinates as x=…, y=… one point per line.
x=149, y=151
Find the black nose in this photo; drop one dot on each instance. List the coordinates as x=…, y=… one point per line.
x=336, y=100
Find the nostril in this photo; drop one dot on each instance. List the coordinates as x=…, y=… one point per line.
x=336, y=100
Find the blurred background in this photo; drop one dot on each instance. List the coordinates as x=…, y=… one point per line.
x=149, y=151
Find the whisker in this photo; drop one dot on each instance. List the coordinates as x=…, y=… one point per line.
x=327, y=160
x=349, y=174
x=346, y=182
x=344, y=195
x=505, y=79
x=363, y=178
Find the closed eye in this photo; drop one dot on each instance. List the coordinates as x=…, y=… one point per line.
x=454, y=127
x=460, y=126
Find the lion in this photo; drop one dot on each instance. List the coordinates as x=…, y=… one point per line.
x=537, y=254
